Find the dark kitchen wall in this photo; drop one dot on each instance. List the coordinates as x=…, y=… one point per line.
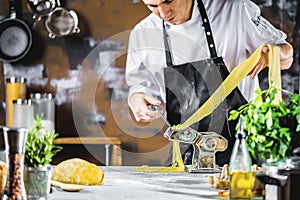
x=82, y=70
x=85, y=72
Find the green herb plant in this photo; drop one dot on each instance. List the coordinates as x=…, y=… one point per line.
x=40, y=147
x=269, y=137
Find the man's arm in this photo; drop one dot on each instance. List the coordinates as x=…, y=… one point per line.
x=286, y=55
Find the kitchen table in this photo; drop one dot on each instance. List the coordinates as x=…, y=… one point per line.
x=124, y=182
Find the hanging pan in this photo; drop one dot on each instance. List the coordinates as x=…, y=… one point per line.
x=15, y=35
x=61, y=22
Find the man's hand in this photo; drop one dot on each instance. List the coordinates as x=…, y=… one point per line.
x=139, y=105
x=286, y=58
x=261, y=62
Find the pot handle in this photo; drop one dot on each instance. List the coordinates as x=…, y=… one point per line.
x=272, y=179
x=296, y=152
x=15, y=9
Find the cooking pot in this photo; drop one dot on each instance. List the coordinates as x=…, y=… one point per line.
x=41, y=8
x=15, y=35
x=61, y=22
x=281, y=179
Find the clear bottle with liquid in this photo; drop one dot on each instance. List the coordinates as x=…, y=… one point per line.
x=240, y=174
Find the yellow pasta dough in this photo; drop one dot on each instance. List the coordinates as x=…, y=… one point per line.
x=78, y=171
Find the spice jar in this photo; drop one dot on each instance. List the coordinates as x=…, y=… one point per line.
x=15, y=89
x=23, y=116
x=44, y=107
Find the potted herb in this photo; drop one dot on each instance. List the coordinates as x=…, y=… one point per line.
x=39, y=150
x=273, y=128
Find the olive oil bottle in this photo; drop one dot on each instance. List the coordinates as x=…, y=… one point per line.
x=240, y=175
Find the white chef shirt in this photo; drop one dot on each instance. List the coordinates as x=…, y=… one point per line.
x=238, y=30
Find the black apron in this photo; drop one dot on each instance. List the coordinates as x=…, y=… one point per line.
x=189, y=85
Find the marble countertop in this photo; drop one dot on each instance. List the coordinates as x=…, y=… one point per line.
x=124, y=182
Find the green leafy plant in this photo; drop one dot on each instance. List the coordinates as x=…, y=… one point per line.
x=40, y=147
x=266, y=123
x=294, y=107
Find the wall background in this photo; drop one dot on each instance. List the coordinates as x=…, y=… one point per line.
x=63, y=66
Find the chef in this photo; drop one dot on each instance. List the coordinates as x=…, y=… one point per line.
x=173, y=50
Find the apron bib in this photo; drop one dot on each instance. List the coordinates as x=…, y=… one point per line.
x=189, y=85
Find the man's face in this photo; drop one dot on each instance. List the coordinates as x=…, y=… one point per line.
x=172, y=11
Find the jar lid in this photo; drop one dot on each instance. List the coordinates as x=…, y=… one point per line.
x=35, y=96
x=16, y=80
x=22, y=101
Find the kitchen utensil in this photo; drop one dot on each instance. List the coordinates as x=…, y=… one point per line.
x=187, y=135
x=61, y=22
x=205, y=145
x=41, y=8
x=16, y=139
x=156, y=108
x=15, y=35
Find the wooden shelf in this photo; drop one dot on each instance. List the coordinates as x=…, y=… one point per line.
x=116, y=156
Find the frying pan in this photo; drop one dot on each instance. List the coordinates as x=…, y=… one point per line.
x=15, y=35
x=61, y=22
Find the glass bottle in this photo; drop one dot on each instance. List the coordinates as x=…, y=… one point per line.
x=240, y=175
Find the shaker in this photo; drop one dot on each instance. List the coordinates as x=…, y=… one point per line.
x=44, y=107
x=23, y=115
x=15, y=89
x=16, y=140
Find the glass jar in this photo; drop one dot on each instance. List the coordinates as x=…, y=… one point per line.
x=23, y=115
x=44, y=107
x=15, y=89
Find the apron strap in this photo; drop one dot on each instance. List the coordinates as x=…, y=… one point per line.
x=167, y=51
x=208, y=31
x=208, y=34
